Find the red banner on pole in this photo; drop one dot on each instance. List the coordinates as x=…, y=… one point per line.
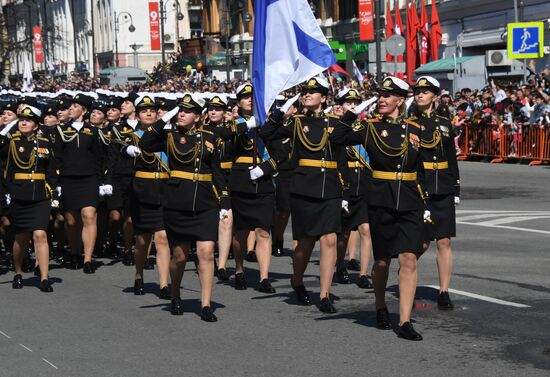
x=154, y=25
x=366, y=20
x=37, y=41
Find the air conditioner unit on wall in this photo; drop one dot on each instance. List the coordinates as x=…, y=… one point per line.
x=169, y=38
x=497, y=58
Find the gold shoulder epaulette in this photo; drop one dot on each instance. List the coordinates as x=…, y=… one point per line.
x=42, y=138
x=332, y=116
x=206, y=131
x=409, y=121
x=298, y=116
x=442, y=117
x=412, y=117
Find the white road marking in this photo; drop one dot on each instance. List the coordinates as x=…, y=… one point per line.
x=460, y=211
x=6, y=335
x=511, y=219
x=482, y=298
x=25, y=347
x=505, y=227
x=49, y=363
x=507, y=214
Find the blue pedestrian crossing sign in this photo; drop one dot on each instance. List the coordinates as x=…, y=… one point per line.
x=526, y=40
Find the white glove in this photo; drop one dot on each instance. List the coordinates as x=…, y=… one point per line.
x=328, y=110
x=345, y=206
x=107, y=190
x=256, y=173
x=363, y=105
x=251, y=123
x=223, y=214
x=58, y=189
x=55, y=203
x=457, y=200
x=7, y=128
x=289, y=103
x=169, y=115
x=427, y=216
x=101, y=191
x=133, y=151
x=8, y=199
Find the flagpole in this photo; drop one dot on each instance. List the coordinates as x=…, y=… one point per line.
x=377, y=40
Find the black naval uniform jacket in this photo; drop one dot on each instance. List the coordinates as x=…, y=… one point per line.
x=359, y=173
x=393, y=147
x=441, y=176
x=225, y=147
x=243, y=154
x=122, y=134
x=321, y=167
x=29, y=170
x=148, y=189
x=81, y=153
x=196, y=180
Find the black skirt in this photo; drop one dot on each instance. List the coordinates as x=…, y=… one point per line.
x=282, y=190
x=188, y=226
x=252, y=211
x=394, y=232
x=358, y=214
x=79, y=192
x=313, y=217
x=122, y=194
x=147, y=218
x=27, y=216
x=442, y=209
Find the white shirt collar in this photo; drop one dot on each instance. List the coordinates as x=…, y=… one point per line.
x=132, y=123
x=77, y=125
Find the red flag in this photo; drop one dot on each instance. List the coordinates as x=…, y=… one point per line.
x=425, y=29
x=413, y=26
x=336, y=68
x=154, y=25
x=389, y=29
x=435, y=34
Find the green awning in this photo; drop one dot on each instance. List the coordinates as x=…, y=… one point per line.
x=442, y=65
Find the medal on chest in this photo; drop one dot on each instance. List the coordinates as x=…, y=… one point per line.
x=414, y=140
x=384, y=133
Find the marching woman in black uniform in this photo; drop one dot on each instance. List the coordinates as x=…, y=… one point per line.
x=252, y=194
x=30, y=175
x=193, y=195
x=151, y=169
x=441, y=181
x=217, y=108
x=395, y=199
x=317, y=186
x=81, y=158
x=357, y=218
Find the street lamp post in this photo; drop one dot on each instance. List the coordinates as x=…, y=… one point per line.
x=131, y=29
x=228, y=15
x=162, y=6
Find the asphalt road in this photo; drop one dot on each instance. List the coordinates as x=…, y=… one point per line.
x=93, y=325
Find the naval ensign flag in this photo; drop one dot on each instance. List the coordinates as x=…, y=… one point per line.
x=289, y=48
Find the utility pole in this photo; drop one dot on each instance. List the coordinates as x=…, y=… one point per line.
x=162, y=18
x=377, y=7
x=74, y=34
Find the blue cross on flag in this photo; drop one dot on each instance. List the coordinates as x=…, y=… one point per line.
x=525, y=40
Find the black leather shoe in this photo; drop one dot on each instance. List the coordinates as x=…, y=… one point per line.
x=128, y=259
x=164, y=294
x=383, y=319
x=265, y=287
x=149, y=264
x=407, y=331
x=240, y=281
x=364, y=282
x=251, y=257
x=88, y=268
x=208, y=315
x=326, y=306
x=76, y=262
x=301, y=294
x=222, y=274
x=17, y=282
x=46, y=286
x=444, y=301
x=353, y=265
x=343, y=276
x=175, y=306
x=138, y=287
